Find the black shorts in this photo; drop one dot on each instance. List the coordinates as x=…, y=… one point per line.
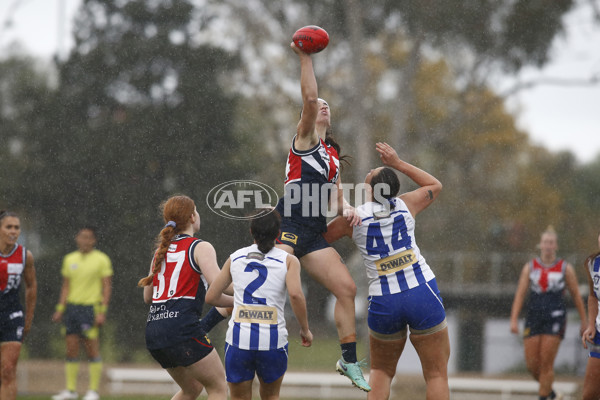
x=549, y=323
x=183, y=354
x=12, y=324
x=301, y=239
x=79, y=319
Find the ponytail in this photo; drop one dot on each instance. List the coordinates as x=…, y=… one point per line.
x=330, y=141
x=163, y=240
x=176, y=213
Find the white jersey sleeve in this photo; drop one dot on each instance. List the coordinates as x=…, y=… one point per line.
x=594, y=268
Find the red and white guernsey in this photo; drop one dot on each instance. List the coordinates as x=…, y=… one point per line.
x=11, y=271
x=178, y=296
x=319, y=164
x=547, y=278
x=546, y=288
x=310, y=176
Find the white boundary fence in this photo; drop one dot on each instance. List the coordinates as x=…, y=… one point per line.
x=329, y=385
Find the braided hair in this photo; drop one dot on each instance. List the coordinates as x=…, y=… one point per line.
x=176, y=213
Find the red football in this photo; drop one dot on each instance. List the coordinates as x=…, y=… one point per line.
x=311, y=39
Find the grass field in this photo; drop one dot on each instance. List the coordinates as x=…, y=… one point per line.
x=41, y=378
x=321, y=356
x=119, y=397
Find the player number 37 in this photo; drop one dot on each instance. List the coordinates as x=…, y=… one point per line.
x=178, y=259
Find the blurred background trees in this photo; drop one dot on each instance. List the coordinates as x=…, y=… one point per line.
x=166, y=97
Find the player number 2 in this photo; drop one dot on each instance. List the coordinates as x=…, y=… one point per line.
x=255, y=284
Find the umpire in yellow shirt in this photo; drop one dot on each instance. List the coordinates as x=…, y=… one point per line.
x=84, y=296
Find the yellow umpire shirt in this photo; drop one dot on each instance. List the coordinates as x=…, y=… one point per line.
x=85, y=273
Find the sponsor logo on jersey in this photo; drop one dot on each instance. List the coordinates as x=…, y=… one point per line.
x=256, y=314
x=158, y=312
x=14, y=268
x=172, y=247
x=256, y=256
x=238, y=199
x=395, y=262
x=289, y=237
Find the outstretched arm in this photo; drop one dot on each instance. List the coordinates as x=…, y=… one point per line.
x=310, y=97
x=430, y=187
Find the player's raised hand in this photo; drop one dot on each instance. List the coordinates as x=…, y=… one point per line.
x=298, y=50
x=387, y=153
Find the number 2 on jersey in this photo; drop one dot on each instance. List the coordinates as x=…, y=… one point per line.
x=255, y=284
x=376, y=244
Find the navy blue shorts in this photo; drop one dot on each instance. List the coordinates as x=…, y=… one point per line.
x=301, y=239
x=79, y=319
x=241, y=365
x=183, y=354
x=12, y=324
x=546, y=323
x=419, y=308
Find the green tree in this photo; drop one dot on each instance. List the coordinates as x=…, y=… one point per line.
x=139, y=114
x=163, y=97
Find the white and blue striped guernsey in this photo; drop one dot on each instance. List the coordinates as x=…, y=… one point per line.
x=258, y=321
x=594, y=268
x=387, y=243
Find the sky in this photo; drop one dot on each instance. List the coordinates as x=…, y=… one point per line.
x=557, y=117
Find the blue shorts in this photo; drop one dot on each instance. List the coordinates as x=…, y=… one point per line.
x=241, y=365
x=301, y=239
x=546, y=323
x=595, y=347
x=12, y=324
x=419, y=308
x=79, y=319
x=183, y=354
